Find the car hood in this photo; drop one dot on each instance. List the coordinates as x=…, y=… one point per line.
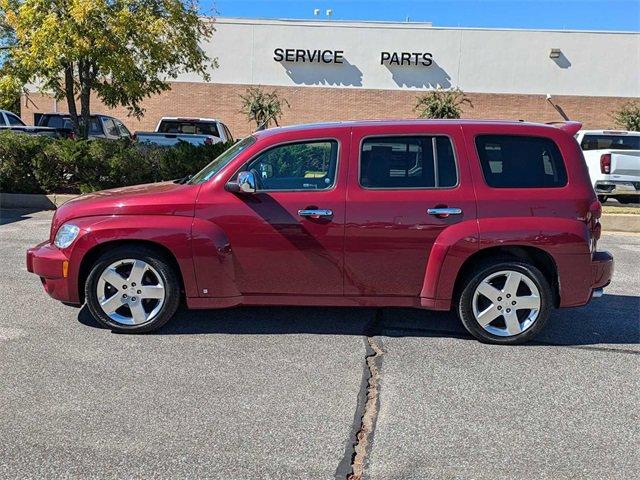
x=164, y=198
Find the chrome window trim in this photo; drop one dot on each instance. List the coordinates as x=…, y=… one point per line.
x=418, y=134
x=294, y=142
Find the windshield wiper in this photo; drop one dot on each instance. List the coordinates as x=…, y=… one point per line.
x=183, y=180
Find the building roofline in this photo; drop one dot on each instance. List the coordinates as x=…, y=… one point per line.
x=395, y=25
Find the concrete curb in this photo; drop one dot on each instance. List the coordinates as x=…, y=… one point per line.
x=33, y=201
x=616, y=222
x=611, y=222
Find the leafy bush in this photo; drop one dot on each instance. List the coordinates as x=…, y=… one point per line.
x=440, y=103
x=628, y=117
x=33, y=164
x=17, y=155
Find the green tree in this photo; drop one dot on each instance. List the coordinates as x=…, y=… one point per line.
x=10, y=90
x=10, y=86
x=628, y=117
x=441, y=103
x=262, y=108
x=121, y=50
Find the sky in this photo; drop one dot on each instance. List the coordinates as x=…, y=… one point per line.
x=618, y=15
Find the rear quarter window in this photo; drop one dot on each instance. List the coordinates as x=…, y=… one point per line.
x=515, y=161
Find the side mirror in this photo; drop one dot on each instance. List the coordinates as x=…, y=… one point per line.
x=247, y=182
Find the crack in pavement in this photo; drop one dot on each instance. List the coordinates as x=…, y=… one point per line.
x=368, y=406
x=354, y=462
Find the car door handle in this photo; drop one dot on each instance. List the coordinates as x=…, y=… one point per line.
x=316, y=213
x=444, y=212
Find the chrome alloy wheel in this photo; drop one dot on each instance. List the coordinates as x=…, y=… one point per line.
x=506, y=303
x=130, y=292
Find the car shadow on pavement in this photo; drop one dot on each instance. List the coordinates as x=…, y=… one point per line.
x=612, y=319
x=11, y=215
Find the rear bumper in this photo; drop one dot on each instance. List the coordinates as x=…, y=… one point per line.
x=601, y=270
x=617, y=187
x=47, y=261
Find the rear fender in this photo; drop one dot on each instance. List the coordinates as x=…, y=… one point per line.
x=452, y=247
x=565, y=240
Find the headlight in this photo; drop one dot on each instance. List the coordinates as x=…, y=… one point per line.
x=66, y=234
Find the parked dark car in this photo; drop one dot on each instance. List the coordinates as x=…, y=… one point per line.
x=10, y=121
x=100, y=126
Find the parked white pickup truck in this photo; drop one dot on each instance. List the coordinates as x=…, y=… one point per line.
x=197, y=131
x=613, y=158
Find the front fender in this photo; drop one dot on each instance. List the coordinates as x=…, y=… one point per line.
x=171, y=232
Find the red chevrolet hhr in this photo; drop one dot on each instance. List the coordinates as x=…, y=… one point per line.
x=497, y=220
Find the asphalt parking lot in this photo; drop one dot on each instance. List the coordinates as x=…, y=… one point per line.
x=279, y=392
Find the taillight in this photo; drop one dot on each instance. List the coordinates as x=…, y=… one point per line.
x=595, y=209
x=208, y=141
x=595, y=212
x=605, y=163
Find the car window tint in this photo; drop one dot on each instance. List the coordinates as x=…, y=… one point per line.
x=110, y=127
x=189, y=127
x=407, y=162
x=610, y=142
x=514, y=161
x=95, y=128
x=297, y=166
x=124, y=131
x=54, y=121
x=13, y=120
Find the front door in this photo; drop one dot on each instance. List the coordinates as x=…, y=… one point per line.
x=405, y=188
x=288, y=238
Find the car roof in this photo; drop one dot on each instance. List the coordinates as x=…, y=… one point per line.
x=569, y=127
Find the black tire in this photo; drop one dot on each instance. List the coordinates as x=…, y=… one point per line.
x=603, y=198
x=482, y=271
x=157, y=261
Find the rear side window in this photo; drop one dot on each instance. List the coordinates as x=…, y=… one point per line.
x=407, y=162
x=514, y=161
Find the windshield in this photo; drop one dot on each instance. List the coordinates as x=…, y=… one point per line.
x=221, y=161
x=611, y=142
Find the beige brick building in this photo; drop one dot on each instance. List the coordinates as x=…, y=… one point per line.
x=354, y=70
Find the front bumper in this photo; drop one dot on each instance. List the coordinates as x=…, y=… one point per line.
x=617, y=187
x=48, y=262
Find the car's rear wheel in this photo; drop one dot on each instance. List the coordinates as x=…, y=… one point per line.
x=505, y=302
x=132, y=289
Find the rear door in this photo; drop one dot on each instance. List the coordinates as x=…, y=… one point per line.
x=406, y=186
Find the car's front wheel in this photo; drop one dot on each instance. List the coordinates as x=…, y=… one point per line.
x=505, y=302
x=132, y=289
